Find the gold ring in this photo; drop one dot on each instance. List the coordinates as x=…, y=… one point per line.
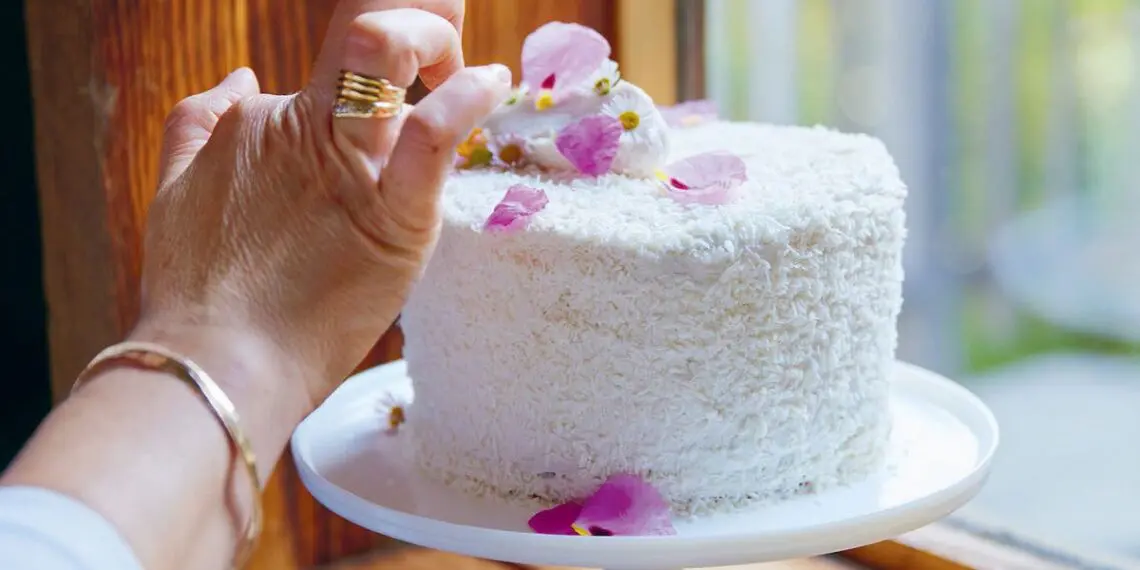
x=362, y=97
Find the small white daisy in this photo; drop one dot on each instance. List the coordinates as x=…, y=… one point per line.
x=644, y=142
x=509, y=150
x=634, y=109
x=604, y=78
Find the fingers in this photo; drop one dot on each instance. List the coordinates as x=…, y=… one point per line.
x=394, y=45
x=421, y=160
x=331, y=58
x=191, y=122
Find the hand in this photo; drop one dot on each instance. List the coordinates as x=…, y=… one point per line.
x=281, y=231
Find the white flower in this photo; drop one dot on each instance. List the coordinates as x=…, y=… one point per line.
x=604, y=78
x=644, y=143
x=634, y=109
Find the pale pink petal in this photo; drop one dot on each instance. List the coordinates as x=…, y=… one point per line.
x=591, y=143
x=514, y=211
x=625, y=505
x=689, y=113
x=559, y=56
x=556, y=520
x=711, y=178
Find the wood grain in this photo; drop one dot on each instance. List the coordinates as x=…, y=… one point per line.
x=104, y=75
x=647, y=32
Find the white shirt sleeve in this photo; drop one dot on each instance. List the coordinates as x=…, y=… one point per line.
x=46, y=530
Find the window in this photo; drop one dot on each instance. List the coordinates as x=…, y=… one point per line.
x=1016, y=125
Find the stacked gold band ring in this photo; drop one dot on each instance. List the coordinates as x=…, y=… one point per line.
x=362, y=97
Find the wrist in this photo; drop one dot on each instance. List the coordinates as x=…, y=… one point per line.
x=265, y=382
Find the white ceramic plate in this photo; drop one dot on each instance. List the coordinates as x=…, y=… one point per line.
x=944, y=440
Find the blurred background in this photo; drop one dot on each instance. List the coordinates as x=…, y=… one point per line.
x=1016, y=124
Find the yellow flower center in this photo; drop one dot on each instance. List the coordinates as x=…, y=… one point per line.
x=629, y=120
x=580, y=530
x=479, y=157
x=395, y=416
x=602, y=87
x=545, y=101
x=473, y=142
x=511, y=154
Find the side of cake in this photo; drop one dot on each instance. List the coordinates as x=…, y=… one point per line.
x=727, y=351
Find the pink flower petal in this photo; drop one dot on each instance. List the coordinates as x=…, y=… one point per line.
x=689, y=113
x=625, y=505
x=513, y=212
x=557, y=520
x=711, y=178
x=591, y=143
x=559, y=56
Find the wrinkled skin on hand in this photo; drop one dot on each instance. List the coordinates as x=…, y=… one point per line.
x=278, y=223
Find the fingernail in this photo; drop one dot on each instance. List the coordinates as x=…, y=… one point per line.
x=500, y=72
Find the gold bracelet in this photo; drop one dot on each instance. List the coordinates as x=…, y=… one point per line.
x=157, y=358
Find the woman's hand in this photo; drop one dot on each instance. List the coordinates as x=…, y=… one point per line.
x=283, y=232
x=281, y=244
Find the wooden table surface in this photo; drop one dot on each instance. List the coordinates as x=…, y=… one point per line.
x=420, y=559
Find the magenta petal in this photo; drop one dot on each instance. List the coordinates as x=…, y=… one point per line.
x=513, y=212
x=591, y=144
x=625, y=505
x=689, y=112
x=561, y=56
x=711, y=178
x=556, y=520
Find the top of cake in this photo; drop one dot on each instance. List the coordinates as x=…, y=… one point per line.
x=586, y=155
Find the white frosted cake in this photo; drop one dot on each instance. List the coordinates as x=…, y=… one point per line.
x=729, y=342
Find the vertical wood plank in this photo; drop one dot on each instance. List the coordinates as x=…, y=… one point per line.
x=647, y=46
x=104, y=75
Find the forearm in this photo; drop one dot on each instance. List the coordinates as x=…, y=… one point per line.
x=145, y=451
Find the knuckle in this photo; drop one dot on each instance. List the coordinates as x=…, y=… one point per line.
x=375, y=31
x=189, y=110
x=385, y=40
x=380, y=33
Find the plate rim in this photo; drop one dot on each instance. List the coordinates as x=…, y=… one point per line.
x=929, y=386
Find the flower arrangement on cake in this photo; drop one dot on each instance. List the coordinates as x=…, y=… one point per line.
x=572, y=113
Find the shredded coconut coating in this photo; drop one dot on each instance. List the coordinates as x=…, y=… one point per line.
x=729, y=354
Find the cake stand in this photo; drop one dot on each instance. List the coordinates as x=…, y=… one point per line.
x=939, y=457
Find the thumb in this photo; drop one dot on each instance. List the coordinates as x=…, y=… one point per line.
x=192, y=120
x=411, y=182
